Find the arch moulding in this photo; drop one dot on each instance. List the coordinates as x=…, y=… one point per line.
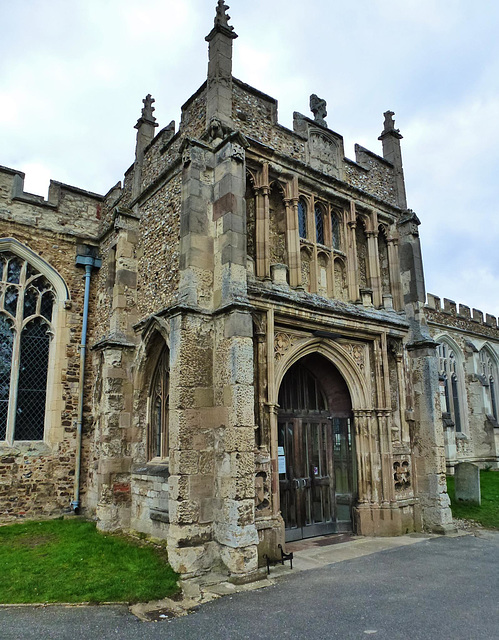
x=338, y=357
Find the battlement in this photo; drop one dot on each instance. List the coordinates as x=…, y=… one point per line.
x=67, y=209
x=461, y=311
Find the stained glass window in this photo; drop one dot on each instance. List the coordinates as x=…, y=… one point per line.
x=26, y=305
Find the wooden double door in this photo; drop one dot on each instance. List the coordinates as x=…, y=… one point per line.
x=317, y=476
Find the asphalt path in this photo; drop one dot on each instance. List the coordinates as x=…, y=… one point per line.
x=445, y=588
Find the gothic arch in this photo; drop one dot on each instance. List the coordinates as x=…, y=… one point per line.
x=460, y=390
x=153, y=351
x=155, y=336
x=24, y=252
x=338, y=356
x=33, y=372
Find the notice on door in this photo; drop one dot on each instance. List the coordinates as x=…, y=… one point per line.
x=281, y=460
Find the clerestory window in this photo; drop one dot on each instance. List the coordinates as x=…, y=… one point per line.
x=26, y=306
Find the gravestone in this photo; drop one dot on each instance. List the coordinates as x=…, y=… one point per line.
x=467, y=483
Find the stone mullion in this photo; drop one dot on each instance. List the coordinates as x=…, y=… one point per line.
x=387, y=486
x=374, y=268
x=394, y=271
x=15, y=359
x=314, y=266
x=352, y=262
x=293, y=241
x=262, y=232
x=404, y=435
x=363, y=454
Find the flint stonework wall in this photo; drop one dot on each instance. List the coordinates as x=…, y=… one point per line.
x=193, y=123
x=158, y=249
x=378, y=180
x=254, y=116
x=36, y=479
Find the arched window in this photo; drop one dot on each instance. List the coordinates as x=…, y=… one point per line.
x=26, y=304
x=159, y=401
x=335, y=231
x=302, y=218
x=489, y=378
x=319, y=224
x=450, y=399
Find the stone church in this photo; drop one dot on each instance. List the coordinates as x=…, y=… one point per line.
x=233, y=348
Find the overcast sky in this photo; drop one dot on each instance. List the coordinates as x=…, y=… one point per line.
x=74, y=72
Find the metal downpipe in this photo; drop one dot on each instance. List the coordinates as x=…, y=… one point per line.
x=88, y=262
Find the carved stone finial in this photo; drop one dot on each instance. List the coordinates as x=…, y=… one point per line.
x=148, y=108
x=389, y=123
x=147, y=112
x=318, y=108
x=221, y=18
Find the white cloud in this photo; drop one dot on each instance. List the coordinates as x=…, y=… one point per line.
x=74, y=75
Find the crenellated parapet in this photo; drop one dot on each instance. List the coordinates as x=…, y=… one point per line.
x=460, y=316
x=67, y=209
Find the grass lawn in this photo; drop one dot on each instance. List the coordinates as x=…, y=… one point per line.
x=70, y=561
x=487, y=514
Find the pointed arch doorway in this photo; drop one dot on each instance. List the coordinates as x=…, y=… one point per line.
x=316, y=448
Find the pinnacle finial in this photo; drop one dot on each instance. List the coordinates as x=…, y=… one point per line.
x=147, y=113
x=221, y=18
x=318, y=108
x=148, y=108
x=389, y=123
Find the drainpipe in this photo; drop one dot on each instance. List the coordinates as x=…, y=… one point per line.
x=89, y=262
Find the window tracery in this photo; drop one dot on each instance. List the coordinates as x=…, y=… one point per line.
x=489, y=375
x=335, y=231
x=302, y=218
x=26, y=305
x=450, y=397
x=159, y=409
x=319, y=224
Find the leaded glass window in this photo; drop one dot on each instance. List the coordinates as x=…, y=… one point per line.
x=449, y=385
x=335, y=231
x=488, y=371
x=26, y=305
x=159, y=399
x=319, y=224
x=302, y=218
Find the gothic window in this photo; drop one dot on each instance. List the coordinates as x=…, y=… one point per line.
x=450, y=396
x=335, y=231
x=319, y=224
x=26, y=305
x=302, y=218
x=489, y=377
x=159, y=400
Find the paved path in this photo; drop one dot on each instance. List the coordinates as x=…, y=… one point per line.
x=444, y=588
